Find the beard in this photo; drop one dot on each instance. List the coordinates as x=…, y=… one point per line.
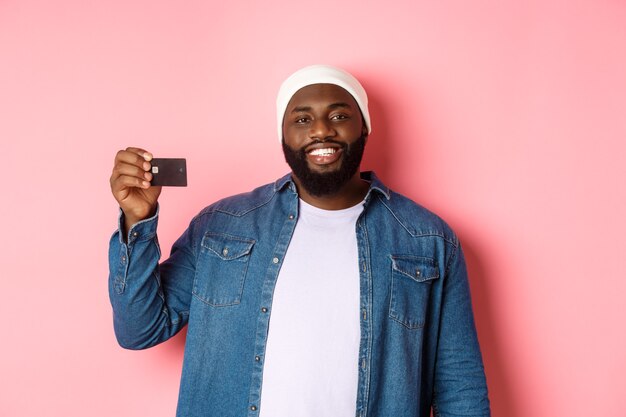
x=321, y=184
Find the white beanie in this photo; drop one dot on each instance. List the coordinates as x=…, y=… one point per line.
x=320, y=74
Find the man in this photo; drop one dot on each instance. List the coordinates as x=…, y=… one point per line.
x=322, y=294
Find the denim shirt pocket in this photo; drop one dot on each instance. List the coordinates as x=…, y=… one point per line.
x=221, y=269
x=411, y=282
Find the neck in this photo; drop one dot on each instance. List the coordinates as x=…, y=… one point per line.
x=351, y=194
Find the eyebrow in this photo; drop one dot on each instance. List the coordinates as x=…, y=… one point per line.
x=300, y=109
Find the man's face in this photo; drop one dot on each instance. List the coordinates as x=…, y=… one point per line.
x=324, y=138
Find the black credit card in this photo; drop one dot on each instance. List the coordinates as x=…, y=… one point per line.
x=171, y=172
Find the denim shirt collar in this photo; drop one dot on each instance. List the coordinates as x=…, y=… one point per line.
x=376, y=185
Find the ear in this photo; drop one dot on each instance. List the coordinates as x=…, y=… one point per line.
x=364, y=132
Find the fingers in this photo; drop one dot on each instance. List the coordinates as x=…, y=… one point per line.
x=131, y=169
x=134, y=156
x=126, y=175
x=141, y=152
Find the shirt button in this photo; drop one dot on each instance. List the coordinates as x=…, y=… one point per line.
x=418, y=272
x=257, y=358
x=253, y=407
x=123, y=259
x=135, y=234
x=275, y=260
x=291, y=217
x=225, y=251
x=264, y=309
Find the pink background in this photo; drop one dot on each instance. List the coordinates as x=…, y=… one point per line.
x=507, y=118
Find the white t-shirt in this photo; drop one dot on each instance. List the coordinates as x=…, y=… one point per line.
x=311, y=359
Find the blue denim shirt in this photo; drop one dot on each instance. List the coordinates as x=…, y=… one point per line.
x=418, y=345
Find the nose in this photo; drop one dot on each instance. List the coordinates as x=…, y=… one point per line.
x=321, y=129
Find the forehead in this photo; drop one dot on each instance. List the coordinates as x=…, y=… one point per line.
x=320, y=95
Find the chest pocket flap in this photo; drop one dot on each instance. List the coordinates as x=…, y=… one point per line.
x=411, y=279
x=221, y=269
x=227, y=247
x=419, y=269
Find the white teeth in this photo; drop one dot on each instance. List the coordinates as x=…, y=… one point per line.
x=322, y=152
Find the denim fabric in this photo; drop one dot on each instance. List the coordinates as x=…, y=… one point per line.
x=418, y=343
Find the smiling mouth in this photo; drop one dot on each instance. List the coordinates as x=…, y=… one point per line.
x=322, y=152
x=324, y=156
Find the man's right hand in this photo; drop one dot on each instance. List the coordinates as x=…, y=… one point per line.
x=130, y=185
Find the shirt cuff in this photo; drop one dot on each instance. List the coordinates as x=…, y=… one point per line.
x=142, y=230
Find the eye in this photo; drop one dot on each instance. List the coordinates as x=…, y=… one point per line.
x=339, y=117
x=301, y=120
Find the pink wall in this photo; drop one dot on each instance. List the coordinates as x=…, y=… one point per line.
x=507, y=118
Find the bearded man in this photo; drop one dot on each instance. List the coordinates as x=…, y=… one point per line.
x=321, y=294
